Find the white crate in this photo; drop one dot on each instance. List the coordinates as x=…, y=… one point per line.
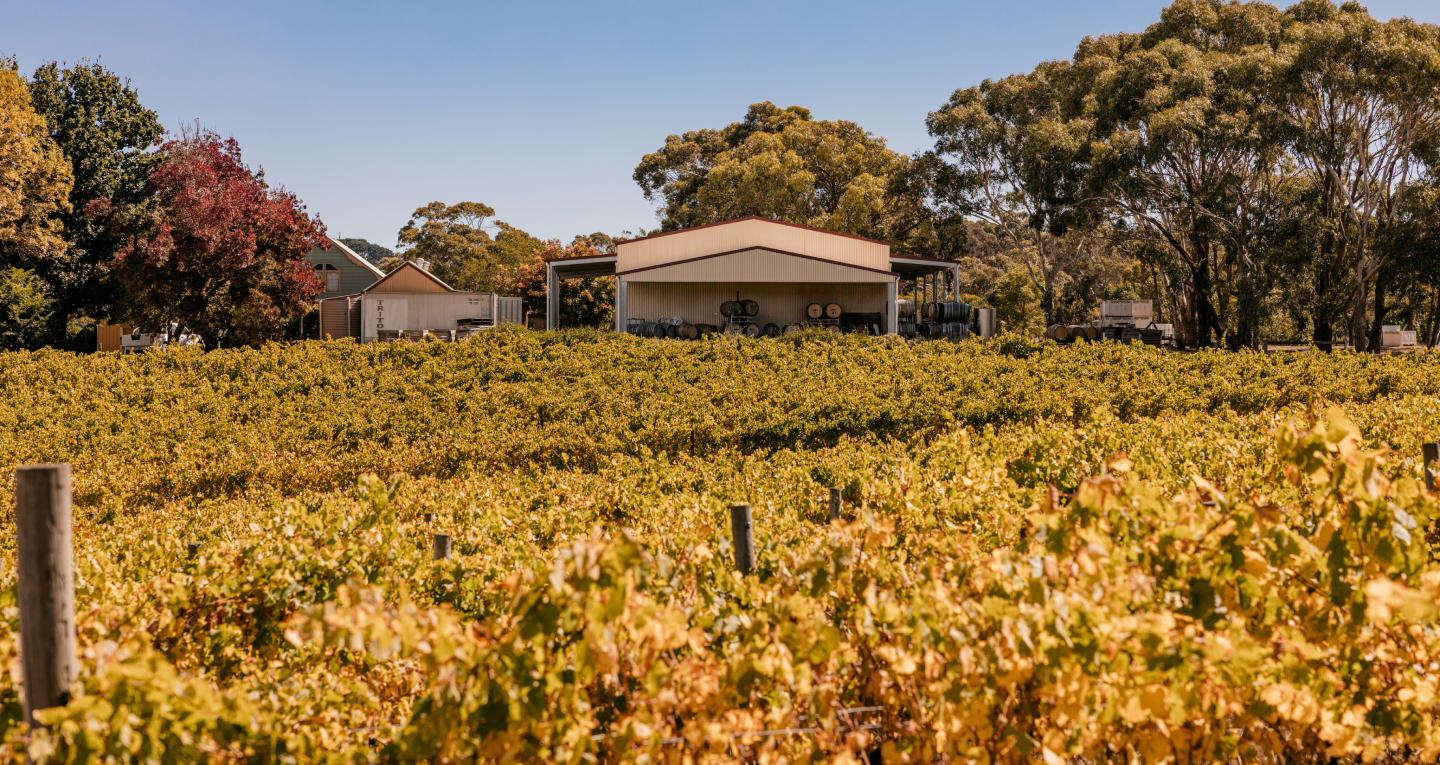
x=1126, y=309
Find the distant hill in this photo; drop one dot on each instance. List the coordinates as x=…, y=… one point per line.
x=371, y=252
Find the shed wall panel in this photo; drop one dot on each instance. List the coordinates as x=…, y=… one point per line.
x=107, y=335
x=739, y=235
x=758, y=266
x=335, y=319
x=423, y=310
x=699, y=303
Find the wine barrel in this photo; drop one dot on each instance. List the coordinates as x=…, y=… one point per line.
x=832, y=310
x=964, y=312
x=752, y=330
x=1062, y=332
x=1092, y=333
x=814, y=310
x=1075, y=332
x=689, y=332
x=790, y=328
x=752, y=308
x=729, y=308
x=771, y=330
x=904, y=309
x=734, y=330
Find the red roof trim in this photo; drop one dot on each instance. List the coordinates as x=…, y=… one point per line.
x=748, y=249
x=619, y=242
x=578, y=258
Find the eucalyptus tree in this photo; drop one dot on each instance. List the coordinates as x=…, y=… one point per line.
x=1363, y=99
x=1011, y=159
x=781, y=164
x=1189, y=151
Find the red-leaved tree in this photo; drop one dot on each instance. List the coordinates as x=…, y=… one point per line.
x=215, y=248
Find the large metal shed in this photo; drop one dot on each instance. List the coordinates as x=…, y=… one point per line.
x=783, y=267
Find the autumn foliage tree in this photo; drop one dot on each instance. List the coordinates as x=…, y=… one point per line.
x=588, y=302
x=216, y=248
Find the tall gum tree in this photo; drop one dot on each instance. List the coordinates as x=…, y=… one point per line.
x=1006, y=156
x=453, y=240
x=781, y=164
x=1363, y=99
x=1189, y=150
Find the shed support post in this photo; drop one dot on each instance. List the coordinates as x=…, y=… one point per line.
x=552, y=299
x=892, y=318
x=622, y=304
x=955, y=283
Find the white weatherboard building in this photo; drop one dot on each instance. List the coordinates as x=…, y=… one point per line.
x=413, y=300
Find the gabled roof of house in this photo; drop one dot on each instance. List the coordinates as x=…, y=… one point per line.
x=356, y=259
x=406, y=267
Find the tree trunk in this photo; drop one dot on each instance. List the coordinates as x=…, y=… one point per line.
x=1205, y=319
x=1380, y=309
x=1324, y=335
x=1357, y=313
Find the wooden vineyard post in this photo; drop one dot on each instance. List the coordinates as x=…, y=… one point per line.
x=46, y=585
x=442, y=546
x=1431, y=455
x=744, y=535
x=834, y=504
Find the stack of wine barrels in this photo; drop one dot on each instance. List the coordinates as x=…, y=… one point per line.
x=905, y=329
x=739, y=308
x=827, y=311
x=953, y=311
x=951, y=330
x=1064, y=333
x=682, y=331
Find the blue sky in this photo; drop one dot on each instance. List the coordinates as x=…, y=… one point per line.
x=540, y=109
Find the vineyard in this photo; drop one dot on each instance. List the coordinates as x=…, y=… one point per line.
x=1103, y=551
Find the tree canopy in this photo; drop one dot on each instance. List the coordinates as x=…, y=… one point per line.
x=1250, y=158
x=215, y=248
x=369, y=250
x=35, y=182
x=781, y=164
x=108, y=137
x=453, y=240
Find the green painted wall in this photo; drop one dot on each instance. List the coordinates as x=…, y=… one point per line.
x=353, y=278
